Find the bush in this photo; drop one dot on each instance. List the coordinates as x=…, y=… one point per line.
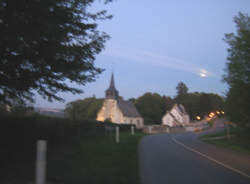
x=210, y=123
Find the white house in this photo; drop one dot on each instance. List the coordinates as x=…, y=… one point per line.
x=176, y=117
x=118, y=110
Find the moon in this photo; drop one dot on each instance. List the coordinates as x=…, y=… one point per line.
x=203, y=73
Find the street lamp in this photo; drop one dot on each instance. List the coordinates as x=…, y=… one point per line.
x=198, y=117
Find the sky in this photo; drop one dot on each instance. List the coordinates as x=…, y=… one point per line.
x=156, y=44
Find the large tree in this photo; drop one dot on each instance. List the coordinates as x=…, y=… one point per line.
x=83, y=109
x=238, y=71
x=152, y=107
x=45, y=44
x=182, y=91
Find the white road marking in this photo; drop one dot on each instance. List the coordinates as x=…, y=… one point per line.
x=212, y=159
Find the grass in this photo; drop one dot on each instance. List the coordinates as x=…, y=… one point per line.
x=98, y=160
x=240, y=142
x=77, y=153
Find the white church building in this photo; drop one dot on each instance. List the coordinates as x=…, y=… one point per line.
x=118, y=110
x=176, y=117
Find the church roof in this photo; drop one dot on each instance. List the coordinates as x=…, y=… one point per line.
x=128, y=109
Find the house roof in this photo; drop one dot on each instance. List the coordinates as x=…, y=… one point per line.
x=128, y=109
x=180, y=108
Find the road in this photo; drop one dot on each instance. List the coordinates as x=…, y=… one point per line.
x=182, y=158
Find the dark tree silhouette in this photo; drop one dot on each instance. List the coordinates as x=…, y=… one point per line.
x=238, y=71
x=181, y=88
x=45, y=44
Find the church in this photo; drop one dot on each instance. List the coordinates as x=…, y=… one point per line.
x=118, y=110
x=176, y=117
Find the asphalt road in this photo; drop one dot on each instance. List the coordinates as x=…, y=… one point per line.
x=172, y=159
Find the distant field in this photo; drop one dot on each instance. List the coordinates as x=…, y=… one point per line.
x=78, y=157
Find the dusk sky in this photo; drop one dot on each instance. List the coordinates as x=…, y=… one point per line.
x=156, y=44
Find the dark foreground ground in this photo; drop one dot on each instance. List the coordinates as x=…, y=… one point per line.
x=78, y=152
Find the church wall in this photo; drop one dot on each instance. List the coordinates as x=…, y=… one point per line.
x=138, y=121
x=107, y=110
x=117, y=115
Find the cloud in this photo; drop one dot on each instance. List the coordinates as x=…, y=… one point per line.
x=156, y=59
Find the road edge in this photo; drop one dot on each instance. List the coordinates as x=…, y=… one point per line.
x=210, y=158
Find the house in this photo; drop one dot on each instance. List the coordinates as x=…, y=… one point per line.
x=118, y=110
x=176, y=117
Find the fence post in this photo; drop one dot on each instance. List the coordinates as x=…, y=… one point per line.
x=41, y=162
x=228, y=131
x=117, y=134
x=167, y=129
x=132, y=130
x=150, y=129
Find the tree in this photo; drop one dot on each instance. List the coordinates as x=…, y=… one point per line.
x=200, y=104
x=238, y=71
x=83, y=109
x=181, y=88
x=45, y=44
x=182, y=91
x=169, y=103
x=152, y=107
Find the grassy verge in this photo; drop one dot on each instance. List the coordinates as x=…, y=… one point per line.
x=77, y=152
x=98, y=160
x=233, y=131
x=240, y=142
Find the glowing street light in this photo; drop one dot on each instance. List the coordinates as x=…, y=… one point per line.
x=222, y=112
x=198, y=117
x=211, y=114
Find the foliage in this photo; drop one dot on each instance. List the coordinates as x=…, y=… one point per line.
x=237, y=104
x=45, y=44
x=210, y=123
x=83, y=109
x=78, y=151
x=240, y=141
x=181, y=88
x=238, y=71
x=152, y=107
x=21, y=110
x=169, y=102
x=200, y=104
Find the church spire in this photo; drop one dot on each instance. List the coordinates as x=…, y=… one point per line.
x=112, y=81
x=111, y=92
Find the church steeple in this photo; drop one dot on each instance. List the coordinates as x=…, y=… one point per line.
x=111, y=92
x=112, y=82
